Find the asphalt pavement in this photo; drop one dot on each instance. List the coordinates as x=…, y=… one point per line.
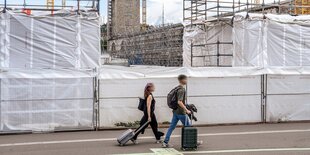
x=258, y=139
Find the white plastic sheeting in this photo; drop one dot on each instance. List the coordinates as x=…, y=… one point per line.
x=206, y=37
x=277, y=40
x=46, y=100
x=288, y=98
x=49, y=100
x=119, y=98
x=121, y=87
x=248, y=41
x=45, y=41
x=223, y=95
x=226, y=99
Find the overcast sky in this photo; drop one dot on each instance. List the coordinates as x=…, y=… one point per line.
x=173, y=9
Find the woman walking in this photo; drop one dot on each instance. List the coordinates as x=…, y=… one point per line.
x=149, y=115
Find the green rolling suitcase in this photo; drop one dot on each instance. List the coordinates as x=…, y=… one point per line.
x=189, y=138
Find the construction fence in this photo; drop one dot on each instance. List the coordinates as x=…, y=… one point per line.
x=271, y=40
x=41, y=40
x=51, y=79
x=48, y=70
x=46, y=100
x=59, y=100
x=248, y=40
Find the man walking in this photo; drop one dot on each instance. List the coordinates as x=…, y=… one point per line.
x=180, y=113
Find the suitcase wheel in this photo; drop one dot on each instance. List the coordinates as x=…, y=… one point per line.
x=121, y=145
x=186, y=149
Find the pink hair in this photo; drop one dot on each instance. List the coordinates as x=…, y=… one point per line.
x=147, y=89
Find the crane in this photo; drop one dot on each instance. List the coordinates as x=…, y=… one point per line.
x=144, y=12
x=144, y=25
x=63, y=3
x=50, y=5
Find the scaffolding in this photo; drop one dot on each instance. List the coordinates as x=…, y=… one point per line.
x=194, y=10
x=302, y=7
x=200, y=13
x=138, y=43
x=157, y=46
x=52, y=5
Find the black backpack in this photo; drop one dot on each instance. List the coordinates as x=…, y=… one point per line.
x=172, y=98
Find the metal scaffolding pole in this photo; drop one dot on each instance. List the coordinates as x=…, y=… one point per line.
x=49, y=6
x=199, y=12
x=4, y=9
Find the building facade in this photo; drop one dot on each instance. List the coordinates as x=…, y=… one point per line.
x=124, y=17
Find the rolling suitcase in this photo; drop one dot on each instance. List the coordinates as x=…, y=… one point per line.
x=129, y=134
x=189, y=138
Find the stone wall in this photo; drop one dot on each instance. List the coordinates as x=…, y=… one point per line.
x=125, y=16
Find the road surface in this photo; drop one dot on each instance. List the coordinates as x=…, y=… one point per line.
x=259, y=139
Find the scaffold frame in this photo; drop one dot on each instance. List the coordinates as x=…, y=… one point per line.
x=92, y=5
x=197, y=12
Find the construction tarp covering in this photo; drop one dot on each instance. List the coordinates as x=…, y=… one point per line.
x=208, y=44
x=276, y=40
x=226, y=99
x=60, y=99
x=46, y=100
x=248, y=41
x=63, y=40
x=121, y=87
x=222, y=95
x=288, y=98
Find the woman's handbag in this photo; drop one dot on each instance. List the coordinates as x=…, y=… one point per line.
x=142, y=104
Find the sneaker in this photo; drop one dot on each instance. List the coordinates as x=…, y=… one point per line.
x=165, y=145
x=199, y=143
x=158, y=141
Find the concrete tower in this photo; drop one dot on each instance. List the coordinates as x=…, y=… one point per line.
x=124, y=17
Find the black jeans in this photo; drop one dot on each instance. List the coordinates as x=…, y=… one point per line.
x=153, y=123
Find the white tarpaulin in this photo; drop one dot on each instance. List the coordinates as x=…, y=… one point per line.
x=277, y=40
x=46, y=100
x=226, y=99
x=121, y=87
x=248, y=41
x=45, y=41
x=200, y=46
x=288, y=98
x=222, y=95
x=216, y=91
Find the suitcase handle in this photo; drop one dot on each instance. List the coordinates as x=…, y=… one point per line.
x=141, y=127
